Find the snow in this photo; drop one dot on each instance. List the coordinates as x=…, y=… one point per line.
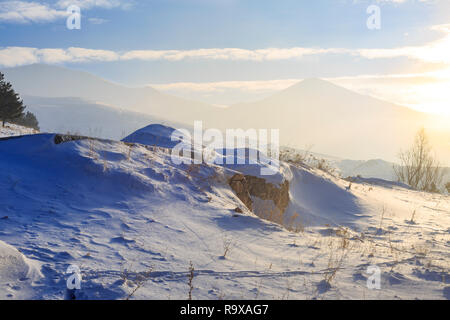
x=130, y=218
x=320, y=201
x=378, y=170
x=10, y=130
x=17, y=273
x=236, y=159
x=154, y=134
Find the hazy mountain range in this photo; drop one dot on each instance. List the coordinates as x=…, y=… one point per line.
x=314, y=112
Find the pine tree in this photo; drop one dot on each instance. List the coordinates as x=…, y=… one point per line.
x=28, y=120
x=11, y=106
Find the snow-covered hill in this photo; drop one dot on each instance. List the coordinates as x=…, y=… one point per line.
x=134, y=222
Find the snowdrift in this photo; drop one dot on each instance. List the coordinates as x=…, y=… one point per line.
x=14, y=265
x=153, y=135
x=16, y=272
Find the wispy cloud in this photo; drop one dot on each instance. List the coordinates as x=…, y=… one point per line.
x=97, y=20
x=221, y=86
x=434, y=52
x=281, y=84
x=23, y=12
x=88, y=4
x=228, y=54
x=17, y=56
x=28, y=12
x=392, y=1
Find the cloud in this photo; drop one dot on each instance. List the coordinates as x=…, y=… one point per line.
x=235, y=54
x=97, y=20
x=17, y=56
x=393, y=1
x=434, y=52
x=23, y=12
x=281, y=84
x=221, y=86
x=28, y=12
x=426, y=92
x=89, y=4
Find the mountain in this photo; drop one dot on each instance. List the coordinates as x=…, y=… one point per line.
x=338, y=121
x=334, y=120
x=79, y=116
x=41, y=80
x=374, y=168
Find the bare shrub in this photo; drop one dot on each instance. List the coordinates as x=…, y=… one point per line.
x=418, y=166
x=295, y=156
x=137, y=281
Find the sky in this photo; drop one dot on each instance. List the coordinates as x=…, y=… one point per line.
x=229, y=51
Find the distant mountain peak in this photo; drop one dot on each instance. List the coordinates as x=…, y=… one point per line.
x=316, y=84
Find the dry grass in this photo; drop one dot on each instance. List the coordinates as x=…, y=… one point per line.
x=227, y=246
x=337, y=255
x=135, y=279
x=191, y=276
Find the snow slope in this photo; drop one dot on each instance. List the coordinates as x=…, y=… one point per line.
x=132, y=221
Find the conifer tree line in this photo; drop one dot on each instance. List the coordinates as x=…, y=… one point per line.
x=12, y=108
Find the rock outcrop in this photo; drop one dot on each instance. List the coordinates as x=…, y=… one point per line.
x=247, y=186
